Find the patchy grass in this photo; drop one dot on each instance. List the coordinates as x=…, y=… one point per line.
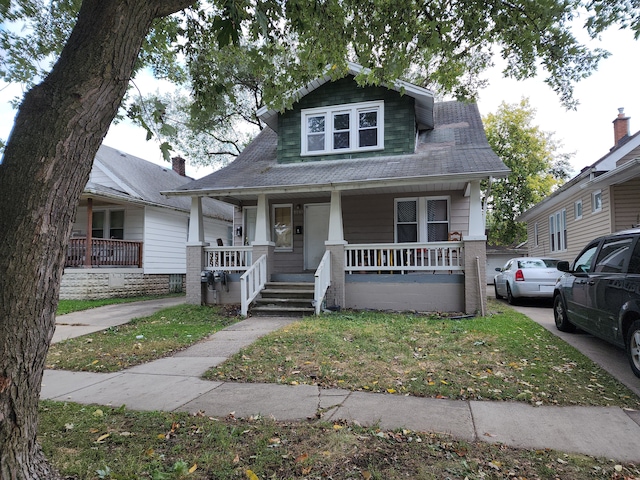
x=68, y=306
x=89, y=442
x=139, y=341
x=503, y=356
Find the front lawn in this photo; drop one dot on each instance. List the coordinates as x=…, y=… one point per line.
x=503, y=356
x=90, y=442
x=139, y=341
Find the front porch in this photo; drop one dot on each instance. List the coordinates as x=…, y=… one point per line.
x=399, y=275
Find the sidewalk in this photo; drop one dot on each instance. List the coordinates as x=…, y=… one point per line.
x=173, y=384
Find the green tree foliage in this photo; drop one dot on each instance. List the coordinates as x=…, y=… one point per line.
x=537, y=168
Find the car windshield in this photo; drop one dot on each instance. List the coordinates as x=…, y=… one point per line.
x=531, y=263
x=550, y=262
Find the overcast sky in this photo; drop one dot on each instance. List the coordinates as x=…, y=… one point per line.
x=587, y=131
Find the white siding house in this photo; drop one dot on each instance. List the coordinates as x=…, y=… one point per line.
x=128, y=239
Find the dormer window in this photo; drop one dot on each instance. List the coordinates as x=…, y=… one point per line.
x=343, y=128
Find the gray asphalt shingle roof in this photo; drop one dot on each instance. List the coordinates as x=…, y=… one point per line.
x=143, y=181
x=456, y=146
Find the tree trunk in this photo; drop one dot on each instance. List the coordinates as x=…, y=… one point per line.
x=47, y=161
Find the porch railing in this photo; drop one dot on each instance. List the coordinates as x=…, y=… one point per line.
x=251, y=283
x=104, y=253
x=231, y=259
x=404, y=257
x=322, y=281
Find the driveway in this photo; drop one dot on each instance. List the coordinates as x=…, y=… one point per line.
x=610, y=358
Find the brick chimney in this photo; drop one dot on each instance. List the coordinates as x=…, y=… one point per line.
x=620, y=127
x=177, y=163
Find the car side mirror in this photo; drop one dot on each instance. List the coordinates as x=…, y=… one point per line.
x=563, y=266
x=498, y=269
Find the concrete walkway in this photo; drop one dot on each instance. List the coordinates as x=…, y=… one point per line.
x=173, y=384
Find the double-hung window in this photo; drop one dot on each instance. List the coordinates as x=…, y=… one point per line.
x=424, y=219
x=558, y=231
x=596, y=201
x=343, y=128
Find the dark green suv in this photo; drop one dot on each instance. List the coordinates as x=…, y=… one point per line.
x=600, y=293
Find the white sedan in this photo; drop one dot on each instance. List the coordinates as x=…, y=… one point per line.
x=528, y=277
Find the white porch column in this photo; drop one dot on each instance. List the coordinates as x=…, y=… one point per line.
x=263, y=229
x=476, y=224
x=336, y=232
x=196, y=223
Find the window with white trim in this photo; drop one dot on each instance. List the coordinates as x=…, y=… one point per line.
x=423, y=219
x=343, y=128
x=558, y=231
x=283, y=227
x=577, y=210
x=596, y=201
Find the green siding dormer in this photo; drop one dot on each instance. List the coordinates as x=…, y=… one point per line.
x=399, y=120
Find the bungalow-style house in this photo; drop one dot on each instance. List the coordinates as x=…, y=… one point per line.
x=603, y=198
x=370, y=196
x=127, y=238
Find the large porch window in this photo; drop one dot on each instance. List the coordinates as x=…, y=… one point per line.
x=422, y=219
x=108, y=224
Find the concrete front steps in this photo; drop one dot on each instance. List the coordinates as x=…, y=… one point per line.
x=284, y=299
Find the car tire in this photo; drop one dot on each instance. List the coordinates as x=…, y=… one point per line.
x=560, y=316
x=510, y=298
x=633, y=347
x=498, y=296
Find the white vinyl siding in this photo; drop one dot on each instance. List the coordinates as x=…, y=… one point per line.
x=626, y=199
x=165, y=239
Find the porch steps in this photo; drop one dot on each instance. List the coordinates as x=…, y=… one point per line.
x=286, y=299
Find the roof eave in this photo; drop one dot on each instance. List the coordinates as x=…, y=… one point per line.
x=337, y=186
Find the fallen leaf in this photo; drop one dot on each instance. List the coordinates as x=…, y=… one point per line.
x=305, y=471
x=236, y=459
x=251, y=475
x=391, y=390
x=301, y=458
x=98, y=413
x=101, y=438
x=194, y=468
x=336, y=426
x=366, y=474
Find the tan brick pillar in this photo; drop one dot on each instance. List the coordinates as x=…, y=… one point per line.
x=336, y=294
x=475, y=284
x=195, y=264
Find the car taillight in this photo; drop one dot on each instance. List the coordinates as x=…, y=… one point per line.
x=519, y=276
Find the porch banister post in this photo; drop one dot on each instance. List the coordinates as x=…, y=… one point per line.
x=336, y=232
x=196, y=223
x=87, y=249
x=476, y=224
x=263, y=232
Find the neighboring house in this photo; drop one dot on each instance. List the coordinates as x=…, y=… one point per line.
x=371, y=193
x=498, y=256
x=603, y=198
x=127, y=238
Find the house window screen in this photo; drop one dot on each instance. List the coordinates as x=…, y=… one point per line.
x=116, y=224
x=558, y=231
x=407, y=221
x=341, y=133
x=315, y=133
x=97, y=224
x=437, y=220
x=368, y=129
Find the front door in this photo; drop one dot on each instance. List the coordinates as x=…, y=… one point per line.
x=316, y=232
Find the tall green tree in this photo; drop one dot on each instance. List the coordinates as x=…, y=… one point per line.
x=79, y=55
x=537, y=168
